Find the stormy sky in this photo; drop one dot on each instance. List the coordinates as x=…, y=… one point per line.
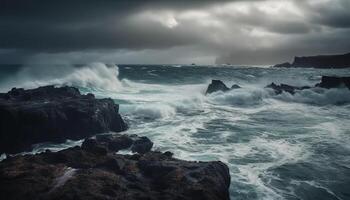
x=256, y=32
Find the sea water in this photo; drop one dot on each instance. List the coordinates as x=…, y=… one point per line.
x=276, y=146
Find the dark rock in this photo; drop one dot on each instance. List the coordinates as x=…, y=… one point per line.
x=215, y=86
x=284, y=88
x=118, y=142
x=334, y=82
x=92, y=146
x=321, y=61
x=168, y=154
x=235, y=86
x=283, y=65
x=78, y=173
x=50, y=114
x=326, y=82
x=218, y=85
x=115, y=142
x=142, y=145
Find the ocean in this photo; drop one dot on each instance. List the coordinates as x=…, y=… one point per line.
x=276, y=146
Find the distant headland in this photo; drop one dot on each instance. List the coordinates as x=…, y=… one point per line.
x=320, y=61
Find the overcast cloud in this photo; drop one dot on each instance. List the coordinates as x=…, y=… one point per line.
x=182, y=31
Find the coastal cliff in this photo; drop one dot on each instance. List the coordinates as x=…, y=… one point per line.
x=95, y=170
x=321, y=61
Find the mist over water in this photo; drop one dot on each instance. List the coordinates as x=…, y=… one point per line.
x=276, y=146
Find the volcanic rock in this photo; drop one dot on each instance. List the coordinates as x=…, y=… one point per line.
x=50, y=114
x=218, y=85
x=334, y=82
x=81, y=173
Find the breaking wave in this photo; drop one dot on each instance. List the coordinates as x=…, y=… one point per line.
x=95, y=75
x=153, y=111
x=261, y=136
x=318, y=96
x=256, y=95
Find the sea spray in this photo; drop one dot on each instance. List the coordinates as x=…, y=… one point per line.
x=277, y=146
x=97, y=76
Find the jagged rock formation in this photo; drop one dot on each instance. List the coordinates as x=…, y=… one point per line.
x=95, y=172
x=334, y=82
x=218, y=85
x=327, y=82
x=50, y=114
x=285, y=88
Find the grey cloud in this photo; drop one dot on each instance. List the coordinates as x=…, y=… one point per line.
x=139, y=30
x=334, y=13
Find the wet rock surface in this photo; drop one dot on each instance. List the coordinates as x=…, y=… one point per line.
x=218, y=85
x=50, y=114
x=88, y=172
x=334, y=82
x=116, y=142
x=327, y=82
x=285, y=88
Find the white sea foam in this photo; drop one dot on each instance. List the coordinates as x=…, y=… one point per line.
x=234, y=127
x=239, y=97
x=318, y=96
x=95, y=75
x=2, y=157
x=61, y=180
x=153, y=111
x=255, y=95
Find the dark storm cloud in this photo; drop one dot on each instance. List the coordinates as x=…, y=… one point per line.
x=233, y=31
x=61, y=25
x=333, y=13
x=75, y=25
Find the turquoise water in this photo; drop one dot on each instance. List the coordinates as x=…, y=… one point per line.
x=276, y=146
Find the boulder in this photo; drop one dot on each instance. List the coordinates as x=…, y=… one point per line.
x=142, y=145
x=80, y=173
x=116, y=142
x=92, y=146
x=235, y=86
x=218, y=85
x=50, y=114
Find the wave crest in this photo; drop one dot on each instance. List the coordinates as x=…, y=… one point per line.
x=250, y=96
x=318, y=96
x=153, y=111
x=95, y=75
x=239, y=97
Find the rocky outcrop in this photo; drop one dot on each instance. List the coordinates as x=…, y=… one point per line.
x=322, y=61
x=327, y=82
x=334, y=82
x=50, y=114
x=285, y=88
x=218, y=85
x=118, y=142
x=95, y=172
x=283, y=65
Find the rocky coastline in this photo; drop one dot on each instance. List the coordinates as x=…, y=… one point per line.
x=327, y=82
x=96, y=169
x=321, y=61
x=51, y=114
